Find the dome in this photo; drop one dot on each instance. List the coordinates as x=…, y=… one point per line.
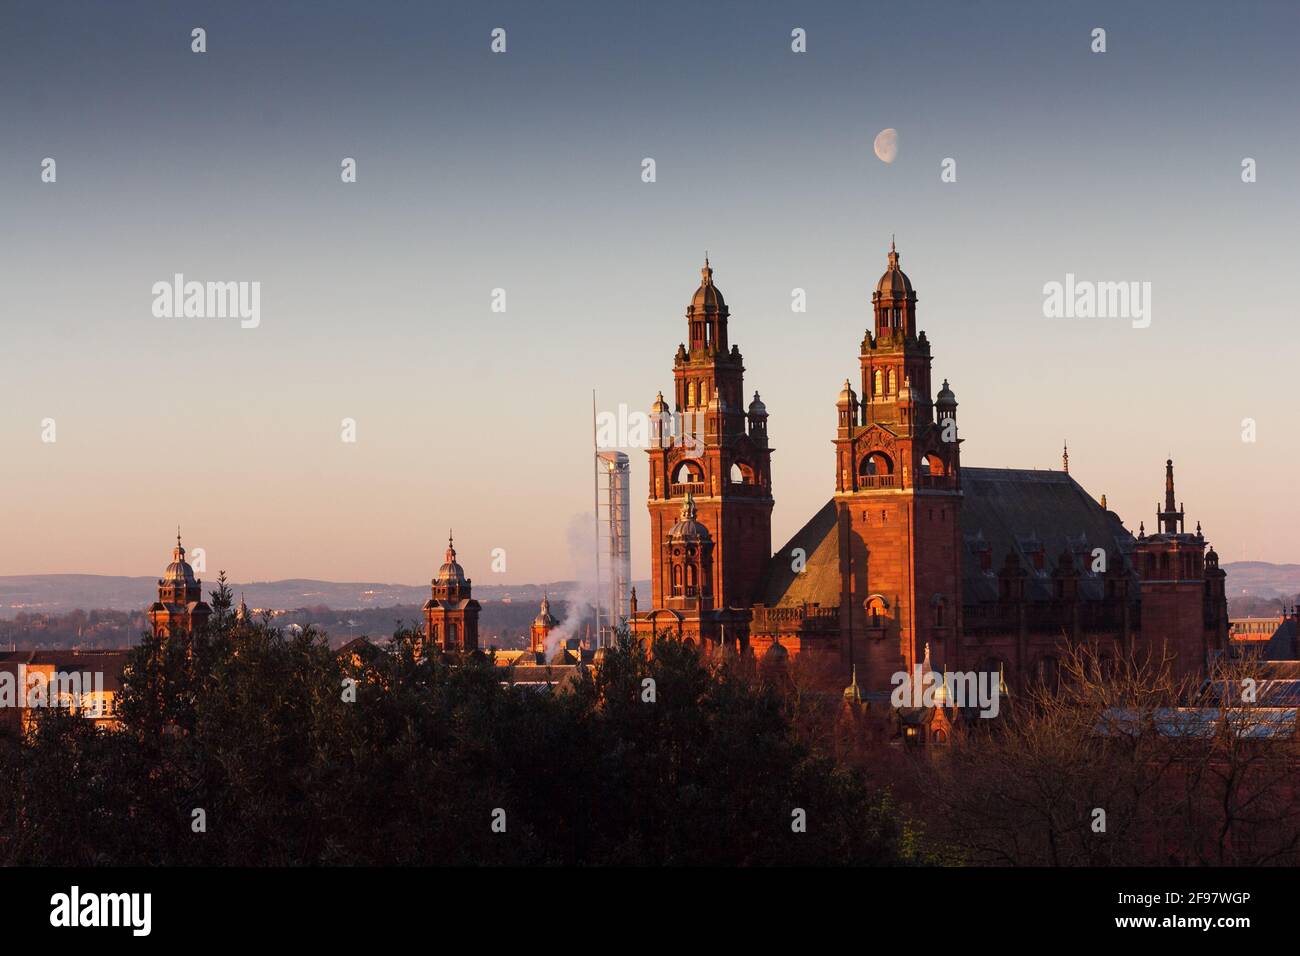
x=450, y=573
x=756, y=408
x=707, y=298
x=894, y=283
x=660, y=407
x=847, y=395
x=686, y=528
x=946, y=397
x=179, y=571
x=940, y=689
x=544, y=619
x=775, y=654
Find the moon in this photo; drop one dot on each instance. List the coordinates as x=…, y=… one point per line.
x=886, y=145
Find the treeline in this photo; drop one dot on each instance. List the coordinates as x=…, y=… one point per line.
x=243, y=745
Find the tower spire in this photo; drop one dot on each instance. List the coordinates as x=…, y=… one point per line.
x=1065, y=457
x=1170, y=520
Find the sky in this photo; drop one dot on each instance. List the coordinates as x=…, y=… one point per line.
x=522, y=171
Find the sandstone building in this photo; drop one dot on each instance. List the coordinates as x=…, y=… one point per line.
x=990, y=568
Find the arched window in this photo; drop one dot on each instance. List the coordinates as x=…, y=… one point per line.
x=876, y=463
x=741, y=474
x=878, y=381
x=690, y=393
x=688, y=471
x=677, y=579
x=690, y=576
x=893, y=382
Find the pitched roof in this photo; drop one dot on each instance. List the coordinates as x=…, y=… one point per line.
x=1003, y=509
x=819, y=581
x=1020, y=510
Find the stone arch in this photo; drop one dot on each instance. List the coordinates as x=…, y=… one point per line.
x=877, y=608
x=742, y=474
x=688, y=471
x=932, y=465
x=876, y=463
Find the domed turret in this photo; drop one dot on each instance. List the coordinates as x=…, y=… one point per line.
x=945, y=398
x=451, y=613
x=706, y=316
x=707, y=299
x=450, y=584
x=894, y=302
x=756, y=408
x=544, y=618
x=543, y=624
x=894, y=283
x=451, y=574
x=686, y=528
x=847, y=396
x=180, y=608
x=179, y=571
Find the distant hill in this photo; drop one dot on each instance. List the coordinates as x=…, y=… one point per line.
x=60, y=593
x=1248, y=582
x=1263, y=580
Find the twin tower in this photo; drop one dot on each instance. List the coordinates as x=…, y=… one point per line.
x=710, y=497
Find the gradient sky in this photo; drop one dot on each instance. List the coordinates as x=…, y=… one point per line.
x=522, y=171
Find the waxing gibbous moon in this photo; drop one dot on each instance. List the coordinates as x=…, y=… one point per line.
x=886, y=145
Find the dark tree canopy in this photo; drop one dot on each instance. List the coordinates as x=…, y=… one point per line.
x=254, y=728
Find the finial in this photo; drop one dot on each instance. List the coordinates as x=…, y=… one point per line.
x=1065, y=457
x=891, y=243
x=178, y=536
x=1103, y=503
